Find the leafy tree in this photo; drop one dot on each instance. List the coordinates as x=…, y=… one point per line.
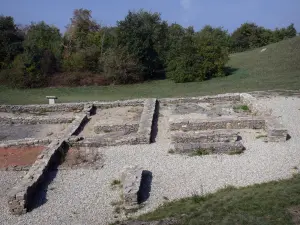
x=121, y=67
x=10, y=41
x=83, y=42
x=143, y=35
x=199, y=57
x=42, y=50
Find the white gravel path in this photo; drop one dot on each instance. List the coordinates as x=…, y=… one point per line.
x=83, y=196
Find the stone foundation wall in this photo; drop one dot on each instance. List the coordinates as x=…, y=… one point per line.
x=65, y=107
x=200, y=124
x=127, y=128
x=204, y=136
x=21, y=196
x=24, y=142
x=35, y=120
x=107, y=105
x=204, y=99
x=254, y=106
x=145, y=125
x=105, y=142
x=212, y=148
x=276, y=131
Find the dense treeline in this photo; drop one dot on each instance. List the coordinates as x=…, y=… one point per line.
x=138, y=48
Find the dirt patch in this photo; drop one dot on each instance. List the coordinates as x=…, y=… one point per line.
x=83, y=158
x=113, y=116
x=119, y=115
x=19, y=158
x=209, y=110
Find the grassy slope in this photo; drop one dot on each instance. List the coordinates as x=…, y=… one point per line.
x=259, y=204
x=276, y=68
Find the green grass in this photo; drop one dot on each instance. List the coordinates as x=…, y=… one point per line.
x=201, y=152
x=276, y=68
x=115, y=182
x=241, y=107
x=259, y=204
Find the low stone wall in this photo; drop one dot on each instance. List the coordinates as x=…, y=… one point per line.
x=204, y=136
x=216, y=123
x=35, y=120
x=107, y=105
x=254, y=106
x=131, y=178
x=76, y=125
x=98, y=142
x=211, y=148
x=276, y=131
x=127, y=128
x=145, y=125
x=21, y=196
x=65, y=107
x=24, y=142
x=205, y=99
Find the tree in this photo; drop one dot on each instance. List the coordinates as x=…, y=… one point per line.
x=198, y=57
x=143, y=34
x=10, y=41
x=83, y=43
x=41, y=57
x=121, y=67
x=82, y=24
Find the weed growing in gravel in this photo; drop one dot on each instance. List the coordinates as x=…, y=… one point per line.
x=235, y=152
x=171, y=151
x=115, y=182
x=201, y=152
x=261, y=136
x=241, y=107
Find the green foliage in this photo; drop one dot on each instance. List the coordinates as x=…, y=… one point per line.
x=10, y=41
x=198, y=57
x=140, y=47
x=249, y=36
x=121, y=67
x=143, y=35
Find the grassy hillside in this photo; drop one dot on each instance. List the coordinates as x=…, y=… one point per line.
x=269, y=203
x=276, y=68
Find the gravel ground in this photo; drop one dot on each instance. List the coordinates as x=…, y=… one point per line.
x=83, y=196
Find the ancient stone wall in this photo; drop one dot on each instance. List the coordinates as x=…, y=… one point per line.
x=20, y=198
x=35, y=120
x=65, y=107
x=187, y=124
x=24, y=142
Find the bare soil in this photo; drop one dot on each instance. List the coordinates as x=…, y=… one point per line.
x=83, y=158
x=113, y=116
x=16, y=157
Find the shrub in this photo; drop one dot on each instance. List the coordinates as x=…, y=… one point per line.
x=198, y=57
x=72, y=79
x=122, y=68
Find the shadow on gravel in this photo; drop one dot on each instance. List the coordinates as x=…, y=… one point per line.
x=145, y=187
x=40, y=197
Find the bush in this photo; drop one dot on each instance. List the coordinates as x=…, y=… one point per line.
x=73, y=79
x=198, y=57
x=22, y=75
x=83, y=60
x=122, y=68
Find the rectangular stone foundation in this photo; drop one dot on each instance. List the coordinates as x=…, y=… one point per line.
x=204, y=136
x=128, y=128
x=212, y=148
x=216, y=123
